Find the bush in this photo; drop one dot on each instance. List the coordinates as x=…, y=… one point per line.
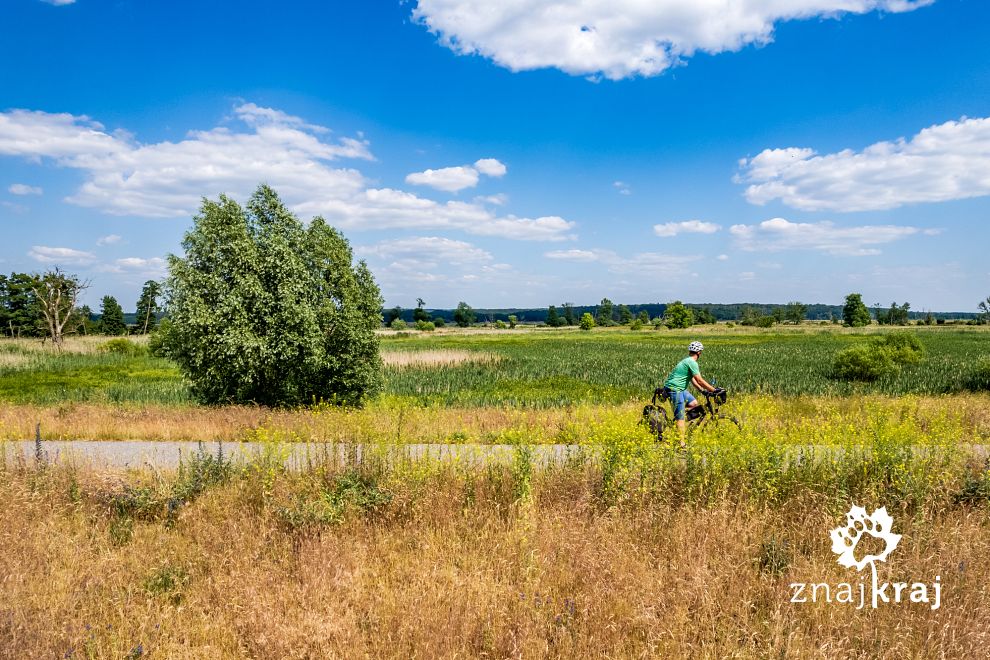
x=438, y=322
x=863, y=362
x=158, y=339
x=501, y=325
x=587, y=321
x=903, y=347
x=123, y=346
x=636, y=325
x=425, y=326
x=765, y=322
x=978, y=379
x=397, y=324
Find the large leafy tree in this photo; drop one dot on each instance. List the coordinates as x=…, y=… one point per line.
x=148, y=307
x=112, y=317
x=854, y=312
x=265, y=310
x=677, y=315
x=605, y=312
x=464, y=315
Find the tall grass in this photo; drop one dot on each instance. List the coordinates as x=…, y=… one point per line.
x=643, y=553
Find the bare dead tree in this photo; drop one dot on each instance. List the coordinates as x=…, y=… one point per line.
x=57, y=293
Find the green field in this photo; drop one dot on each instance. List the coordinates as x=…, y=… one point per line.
x=534, y=368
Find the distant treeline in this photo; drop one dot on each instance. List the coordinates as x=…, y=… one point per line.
x=721, y=311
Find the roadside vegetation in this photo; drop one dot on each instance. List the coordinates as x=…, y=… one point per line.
x=638, y=551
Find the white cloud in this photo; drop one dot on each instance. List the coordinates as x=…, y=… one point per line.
x=622, y=187
x=669, y=229
x=61, y=256
x=432, y=248
x=151, y=267
x=722, y=257
x=449, y=179
x=169, y=179
x=59, y=3
x=619, y=38
x=574, y=255
x=490, y=167
x=454, y=179
x=498, y=199
x=747, y=276
x=24, y=189
x=778, y=234
x=943, y=162
x=111, y=239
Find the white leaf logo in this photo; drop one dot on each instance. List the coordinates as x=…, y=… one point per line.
x=845, y=539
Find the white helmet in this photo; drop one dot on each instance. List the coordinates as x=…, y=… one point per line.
x=695, y=347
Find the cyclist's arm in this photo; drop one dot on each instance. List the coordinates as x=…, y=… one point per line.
x=701, y=383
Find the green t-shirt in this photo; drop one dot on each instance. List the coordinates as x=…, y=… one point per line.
x=682, y=373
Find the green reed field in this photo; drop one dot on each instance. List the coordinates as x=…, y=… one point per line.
x=526, y=367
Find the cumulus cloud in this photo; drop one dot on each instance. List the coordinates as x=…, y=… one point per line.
x=622, y=187
x=778, y=234
x=619, y=38
x=150, y=267
x=449, y=179
x=454, y=179
x=722, y=257
x=942, y=162
x=110, y=239
x=435, y=248
x=168, y=179
x=669, y=229
x=61, y=256
x=24, y=189
x=490, y=167
x=59, y=3
x=429, y=259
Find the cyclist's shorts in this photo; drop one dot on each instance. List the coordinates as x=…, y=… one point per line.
x=680, y=400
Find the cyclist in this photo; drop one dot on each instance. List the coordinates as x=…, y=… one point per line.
x=687, y=370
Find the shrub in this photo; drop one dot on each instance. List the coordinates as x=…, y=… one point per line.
x=863, y=362
x=397, y=324
x=765, y=322
x=903, y=347
x=425, y=326
x=121, y=346
x=439, y=322
x=501, y=325
x=158, y=340
x=587, y=321
x=636, y=325
x=979, y=376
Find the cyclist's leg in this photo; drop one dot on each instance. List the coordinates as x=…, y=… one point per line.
x=679, y=401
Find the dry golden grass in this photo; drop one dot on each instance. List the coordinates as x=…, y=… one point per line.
x=453, y=568
x=436, y=358
x=81, y=345
x=14, y=361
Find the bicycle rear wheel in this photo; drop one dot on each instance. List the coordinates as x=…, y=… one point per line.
x=655, y=418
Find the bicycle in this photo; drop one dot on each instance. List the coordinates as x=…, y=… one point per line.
x=656, y=417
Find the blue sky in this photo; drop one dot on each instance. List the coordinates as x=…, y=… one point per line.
x=516, y=154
